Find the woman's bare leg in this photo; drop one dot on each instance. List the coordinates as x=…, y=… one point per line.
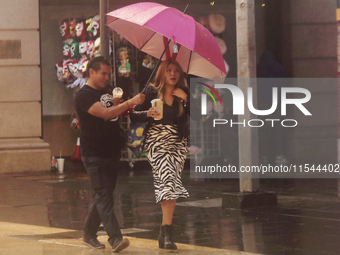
x=168, y=208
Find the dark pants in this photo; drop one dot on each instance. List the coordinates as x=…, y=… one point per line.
x=103, y=175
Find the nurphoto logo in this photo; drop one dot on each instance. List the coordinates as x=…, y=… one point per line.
x=239, y=103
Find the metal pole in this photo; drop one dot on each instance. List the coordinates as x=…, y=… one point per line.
x=113, y=73
x=246, y=68
x=103, y=29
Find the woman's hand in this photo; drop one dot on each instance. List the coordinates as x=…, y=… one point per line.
x=180, y=94
x=152, y=112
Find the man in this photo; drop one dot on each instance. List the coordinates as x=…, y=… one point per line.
x=101, y=142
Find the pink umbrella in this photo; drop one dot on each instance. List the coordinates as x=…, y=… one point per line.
x=149, y=26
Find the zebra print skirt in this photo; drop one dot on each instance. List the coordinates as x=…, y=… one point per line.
x=166, y=154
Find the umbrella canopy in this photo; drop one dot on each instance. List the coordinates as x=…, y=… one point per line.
x=149, y=26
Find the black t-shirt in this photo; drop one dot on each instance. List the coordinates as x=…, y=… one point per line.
x=98, y=137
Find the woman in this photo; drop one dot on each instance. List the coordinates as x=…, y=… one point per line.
x=166, y=140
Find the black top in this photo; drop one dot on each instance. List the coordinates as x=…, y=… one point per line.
x=98, y=137
x=169, y=115
x=139, y=113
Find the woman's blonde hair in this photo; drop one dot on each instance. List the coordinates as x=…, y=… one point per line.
x=159, y=83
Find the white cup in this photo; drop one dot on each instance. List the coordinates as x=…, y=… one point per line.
x=60, y=163
x=158, y=105
x=117, y=92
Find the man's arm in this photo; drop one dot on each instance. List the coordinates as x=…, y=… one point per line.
x=98, y=110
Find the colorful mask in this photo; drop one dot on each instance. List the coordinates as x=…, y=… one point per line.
x=73, y=24
x=96, y=47
x=60, y=71
x=93, y=26
x=75, y=50
x=82, y=66
x=83, y=47
x=96, y=28
x=90, y=45
x=66, y=51
x=80, y=30
x=73, y=69
x=65, y=29
x=66, y=73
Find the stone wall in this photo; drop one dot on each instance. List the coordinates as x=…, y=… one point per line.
x=21, y=148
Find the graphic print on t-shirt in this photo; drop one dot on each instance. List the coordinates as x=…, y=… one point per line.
x=107, y=101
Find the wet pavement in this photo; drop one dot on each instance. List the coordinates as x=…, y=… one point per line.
x=43, y=213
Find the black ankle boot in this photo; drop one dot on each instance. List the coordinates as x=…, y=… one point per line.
x=165, y=239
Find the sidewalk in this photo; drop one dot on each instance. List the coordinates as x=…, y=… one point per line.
x=43, y=213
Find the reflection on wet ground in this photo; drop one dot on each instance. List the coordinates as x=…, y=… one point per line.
x=306, y=220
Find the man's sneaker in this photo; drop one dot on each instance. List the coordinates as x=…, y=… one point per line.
x=93, y=243
x=120, y=244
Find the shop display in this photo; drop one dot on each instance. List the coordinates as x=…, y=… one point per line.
x=81, y=43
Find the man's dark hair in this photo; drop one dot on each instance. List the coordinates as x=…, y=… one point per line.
x=95, y=64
